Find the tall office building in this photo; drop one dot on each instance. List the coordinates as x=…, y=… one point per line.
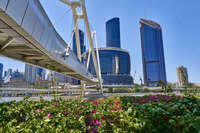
x=83, y=49
x=7, y=76
x=1, y=72
x=33, y=73
x=114, y=62
x=182, y=75
x=152, y=52
x=17, y=74
x=82, y=46
x=30, y=73
x=113, y=33
x=9, y=72
x=41, y=73
x=5, y=73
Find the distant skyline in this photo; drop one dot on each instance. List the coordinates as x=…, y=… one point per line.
x=179, y=21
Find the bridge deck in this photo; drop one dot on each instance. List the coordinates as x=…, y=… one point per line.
x=27, y=35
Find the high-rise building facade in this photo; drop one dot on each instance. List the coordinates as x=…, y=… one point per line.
x=114, y=61
x=115, y=66
x=182, y=75
x=33, y=73
x=113, y=33
x=7, y=76
x=9, y=72
x=83, y=49
x=5, y=73
x=1, y=72
x=82, y=46
x=17, y=74
x=152, y=52
x=41, y=73
x=30, y=73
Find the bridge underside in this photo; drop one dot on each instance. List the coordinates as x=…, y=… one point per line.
x=35, y=41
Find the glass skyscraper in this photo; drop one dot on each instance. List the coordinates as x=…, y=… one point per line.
x=114, y=62
x=152, y=52
x=113, y=33
x=41, y=73
x=82, y=46
x=115, y=66
x=83, y=49
x=33, y=72
x=30, y=73
x=1, y=72
x=17, y=74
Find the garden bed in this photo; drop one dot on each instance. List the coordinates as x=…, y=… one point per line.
x=153, y=113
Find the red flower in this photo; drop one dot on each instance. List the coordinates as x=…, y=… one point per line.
x=119, y=108
x=112, y=109
x=95, y=102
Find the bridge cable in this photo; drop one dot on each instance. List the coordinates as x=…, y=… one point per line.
x=72, y=33
x=58, y=20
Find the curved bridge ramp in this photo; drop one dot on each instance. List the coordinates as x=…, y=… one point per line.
x=27, y=35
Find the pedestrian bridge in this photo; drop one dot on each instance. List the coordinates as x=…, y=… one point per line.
x=27, y=35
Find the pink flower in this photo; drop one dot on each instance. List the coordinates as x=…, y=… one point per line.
x=48, y=114
x=155, y=100
x=88, y=128
x=98, y=123
x=56, y=103
x=94, y=111
x=94, y=131
x=39, y=110
x=92, y=122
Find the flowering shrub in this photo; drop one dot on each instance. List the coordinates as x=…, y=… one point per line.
x=153, y=113
x=155, y=98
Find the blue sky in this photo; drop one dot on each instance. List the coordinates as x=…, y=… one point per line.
x=179, y=19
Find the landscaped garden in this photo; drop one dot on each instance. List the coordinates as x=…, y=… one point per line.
x=152, y=113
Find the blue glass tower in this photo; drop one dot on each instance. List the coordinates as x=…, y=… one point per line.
x=152, y=52
x=114, y=62
x=30, y=73
x=41, y=73
x=17, y=74
x=81, y=36
x=115, y=66
x=113, y=33
x=83, y=49
x=1, y=72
